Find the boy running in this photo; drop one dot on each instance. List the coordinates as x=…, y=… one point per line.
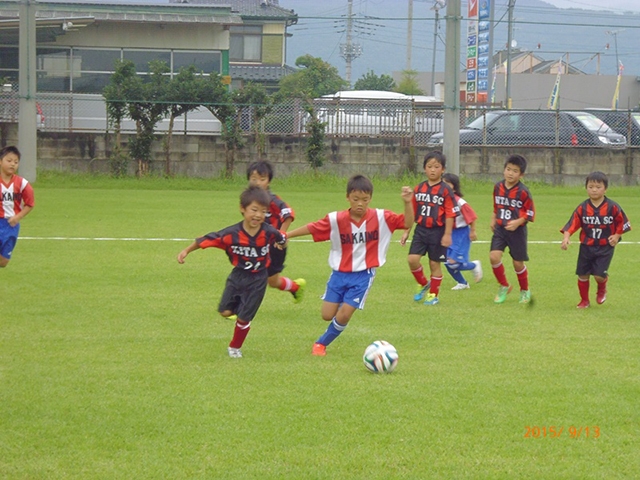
x=280, y=215
x=16, y=201
x=247, y=245
x=360, y=238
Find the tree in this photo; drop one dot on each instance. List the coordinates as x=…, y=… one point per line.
x=254, y=99
x=371, y=81
x=314, y=79
x=181, y=97
x=147, y=108
x=115, y=95
x=409, y=83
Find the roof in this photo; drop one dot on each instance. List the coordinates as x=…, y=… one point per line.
x=251, y=9
x=269, y=73
x=130, y=12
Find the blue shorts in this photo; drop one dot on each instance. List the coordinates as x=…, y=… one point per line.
x=460, y=245
x=351, y=288
x=8, y=238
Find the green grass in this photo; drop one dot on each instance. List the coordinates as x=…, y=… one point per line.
x=113, y=360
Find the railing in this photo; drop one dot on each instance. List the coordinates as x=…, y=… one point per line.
x=415, y=123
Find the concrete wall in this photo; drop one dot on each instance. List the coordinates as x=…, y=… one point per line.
x=204, y=156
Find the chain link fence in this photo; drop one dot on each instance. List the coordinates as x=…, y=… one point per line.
x=415, y=123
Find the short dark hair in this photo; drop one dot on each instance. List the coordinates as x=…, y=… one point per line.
x=454, y=180
x=439, y=156
x=598, y=177
x=518, y=161
x=261, y=167
x=359, y=183
x=9, y=149
x=254, y=194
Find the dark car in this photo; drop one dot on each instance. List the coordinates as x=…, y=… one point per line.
x=534, y=128
x=624, y=123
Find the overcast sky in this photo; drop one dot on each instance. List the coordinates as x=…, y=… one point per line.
x=613, y=5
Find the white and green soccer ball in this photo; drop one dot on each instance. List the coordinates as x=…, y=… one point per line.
x=380, y=357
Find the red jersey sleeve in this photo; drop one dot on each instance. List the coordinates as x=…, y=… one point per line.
x=321, y=230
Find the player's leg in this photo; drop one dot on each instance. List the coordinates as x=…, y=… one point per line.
x=8, y=239
x=454, y=257
x=584, y=268
x=601, y=263
x=276, y=280
x=347, y=292
x=453, y=268
x=416, y=251
x=247, y=289
x=498, y=244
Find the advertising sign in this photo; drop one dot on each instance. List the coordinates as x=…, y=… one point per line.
x=479, y=50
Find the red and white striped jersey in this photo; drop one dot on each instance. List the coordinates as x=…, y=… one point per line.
x=466, y=216
x=17, y=193
x=357, y=246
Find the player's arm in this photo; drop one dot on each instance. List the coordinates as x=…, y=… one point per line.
x=183, y=254
x=285, y=225
x=13, y=221
x=299, y=232
x=448, y=228
x=409, y=214
x=566, y=240
x=473, y=236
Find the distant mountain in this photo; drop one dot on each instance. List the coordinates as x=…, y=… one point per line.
x=380, y=29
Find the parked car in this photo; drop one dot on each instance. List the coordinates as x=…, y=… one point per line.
x=378, y=113
x=544, y=127
x=625, y=123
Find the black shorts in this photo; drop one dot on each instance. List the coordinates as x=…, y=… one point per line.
x=428, y=240
x=516, y=241
x=594, y=260
x=277, y=260
x=243, y=293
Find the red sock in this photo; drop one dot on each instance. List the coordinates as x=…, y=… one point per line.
x=419, y=276
x=583, y=288
x=239, y=334
x=287, y=285
x=602, y=286
x=435, y=285
x=523, y=278
x=498, y=271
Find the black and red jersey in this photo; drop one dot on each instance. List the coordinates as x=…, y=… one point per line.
x=597, y=223
x=432, y=204
x=512, y=203
x=279, y=211
x=245, y=252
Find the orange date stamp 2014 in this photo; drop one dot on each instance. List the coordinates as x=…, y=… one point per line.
x=557, y=432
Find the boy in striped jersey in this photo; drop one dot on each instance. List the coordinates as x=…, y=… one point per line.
x=602, y=222
x=512, y=209
x=434, y=209
x=16, y=201
x=360, y=238
x=247, y=244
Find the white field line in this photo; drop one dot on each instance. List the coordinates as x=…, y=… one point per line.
x=132, y=239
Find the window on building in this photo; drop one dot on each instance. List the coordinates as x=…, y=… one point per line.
x=141, y=58
x=245, y=43
x=207, y=62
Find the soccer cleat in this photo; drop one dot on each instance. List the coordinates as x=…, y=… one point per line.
x=601, y=297
x=319, y=350
x=583, y=304
x=421, y=292
x=477, y=271
x=299, y=294
x=525, y=296
x=501, y=296
x=461, y=286
x=233, y=318
x=431, y=299
x=234, y=352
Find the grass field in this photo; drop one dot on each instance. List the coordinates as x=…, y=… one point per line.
x=113, y=361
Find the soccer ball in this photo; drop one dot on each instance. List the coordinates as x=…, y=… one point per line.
x=380, y=357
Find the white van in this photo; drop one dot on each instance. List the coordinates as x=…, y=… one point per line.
x=377, y=113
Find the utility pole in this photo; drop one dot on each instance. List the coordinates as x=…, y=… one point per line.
x=451, y=146
x=27, y=129
x=350, y=50
x=409, y=34
x=512, y=4
x=437, y=5
x=615, y=33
